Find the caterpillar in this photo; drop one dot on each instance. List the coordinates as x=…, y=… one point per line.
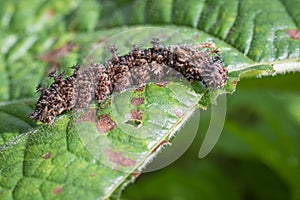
x=195, y=62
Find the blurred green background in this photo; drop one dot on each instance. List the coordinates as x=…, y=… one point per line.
x=258, y=153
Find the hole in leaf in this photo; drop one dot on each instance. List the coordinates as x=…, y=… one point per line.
x=133, y=122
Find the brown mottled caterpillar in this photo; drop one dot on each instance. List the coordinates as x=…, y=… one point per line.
x=197, y=62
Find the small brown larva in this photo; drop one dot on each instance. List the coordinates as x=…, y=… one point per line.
x=197, y=62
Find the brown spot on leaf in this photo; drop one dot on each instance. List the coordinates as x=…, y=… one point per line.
x=105, y=123
x=162, y=84
x=136, y=174
x=294, y=34
x=140, y=89
x=178, y=112
x=92, y=174
x=235, y=82
x=196, y=36
x=137, y=101
x=118, y=159
x=57, y=190
x=161, y=144
x=49, y=13
x=136, y=114
x=53, y=56
x=47, y=156
x=88, y=116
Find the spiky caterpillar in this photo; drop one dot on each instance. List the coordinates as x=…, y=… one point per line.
x=199, y=62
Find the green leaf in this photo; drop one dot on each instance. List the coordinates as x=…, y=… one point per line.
x=61, y=161
x=66, y=158
x=254, y=28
